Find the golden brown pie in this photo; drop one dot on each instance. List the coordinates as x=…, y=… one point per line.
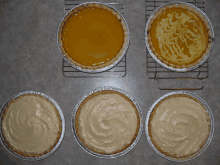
x=93, y=36
x=31, y=125
x=107, y=122
x=179, y=126
x=179, y=36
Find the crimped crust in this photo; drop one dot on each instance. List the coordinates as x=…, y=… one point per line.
x=185, y=157
x=101, y=65
x=24, y=153
x=94, y=95
x=204, y=20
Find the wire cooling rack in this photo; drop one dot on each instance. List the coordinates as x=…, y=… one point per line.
x=165, y=78
x=117, y=71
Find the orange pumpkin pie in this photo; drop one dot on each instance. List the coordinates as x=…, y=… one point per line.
x=93, y=36
x=179, y=36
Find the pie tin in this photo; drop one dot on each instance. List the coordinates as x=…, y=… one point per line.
x=104, y=68
x=106, y=156
x=61, y=136
x=201, y=149
x=165, y=65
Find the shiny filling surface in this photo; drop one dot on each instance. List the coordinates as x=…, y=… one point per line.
x=180, y=126
x=107, y=123
x=179, y=36
x=92, y=36
x=31, y=124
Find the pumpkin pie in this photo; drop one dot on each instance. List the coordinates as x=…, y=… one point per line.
x=107, y=122
x=93, y=36
x=179, y=126
x=31, y=125
x=179, y=36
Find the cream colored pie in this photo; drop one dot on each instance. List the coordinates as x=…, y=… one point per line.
x=107, y=122
x=179, y=126
x=31, y=125
x=93, y=36
x=179, y=36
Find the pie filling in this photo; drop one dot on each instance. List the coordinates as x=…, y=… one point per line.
x=179, y=36
x=92, y=36
x=179, y=126
x=107, y=123
x=31, y=124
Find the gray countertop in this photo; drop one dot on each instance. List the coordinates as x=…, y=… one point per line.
x=30, y=60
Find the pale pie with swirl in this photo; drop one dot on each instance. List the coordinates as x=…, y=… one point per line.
x=179, y=126
x=107, y=122
x=31, y=125
x=179, y=36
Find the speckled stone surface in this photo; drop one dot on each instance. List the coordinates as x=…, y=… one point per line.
x=30, y=60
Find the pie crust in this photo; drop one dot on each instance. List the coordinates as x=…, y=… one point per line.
x=79, y=128
x=164, y=139
x=24, y=153
x=110, y=62
x=188, y=63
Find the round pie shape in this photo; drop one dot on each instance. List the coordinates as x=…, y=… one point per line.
x=93, y=37
x=32, y=125
x=179, y=36
x=107, y=123
x=179, y=126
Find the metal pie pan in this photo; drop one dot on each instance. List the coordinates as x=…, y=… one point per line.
x=201, y=149
x=107, y=156
x=165, y=65
x=106, y=67
x=62, y=132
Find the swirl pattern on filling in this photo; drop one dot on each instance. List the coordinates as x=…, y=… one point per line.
x=107, y=123
x=179, y=126
x=31, y=124
x=180, y=36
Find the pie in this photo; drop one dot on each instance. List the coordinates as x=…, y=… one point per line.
x=31, y=125
x=179, y=36
x=93, y=36
x=107, y=122
x=179, y=126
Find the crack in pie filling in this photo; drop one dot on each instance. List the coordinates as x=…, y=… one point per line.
x=179, y=36
x=93, y=36
x=179, y=126
x=31, y=125
x=107, y=122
